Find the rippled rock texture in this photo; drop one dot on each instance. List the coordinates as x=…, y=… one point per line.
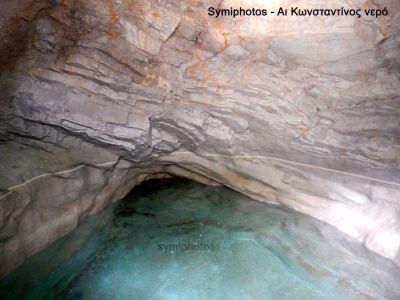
x=97, y=96
x=183, y=240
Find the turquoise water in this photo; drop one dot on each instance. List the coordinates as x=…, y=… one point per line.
x=183, y=240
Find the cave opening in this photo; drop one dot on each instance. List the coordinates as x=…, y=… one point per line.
x=178, y=239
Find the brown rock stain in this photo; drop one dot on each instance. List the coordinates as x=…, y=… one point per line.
x=16, y=35
x=136, y=8
x=16, y=38
x=114, y=16
x=156, y=15
x=225, y=35
x=303, y=129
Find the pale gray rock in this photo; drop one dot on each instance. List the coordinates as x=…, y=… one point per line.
x=97, y=96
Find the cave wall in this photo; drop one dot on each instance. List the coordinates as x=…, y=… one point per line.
x=97, y=96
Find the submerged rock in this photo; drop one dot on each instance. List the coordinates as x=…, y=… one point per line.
x=203, y=243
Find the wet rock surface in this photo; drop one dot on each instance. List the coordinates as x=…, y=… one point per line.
x=99, y=96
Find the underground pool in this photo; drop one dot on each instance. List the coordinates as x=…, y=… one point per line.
x=177, y=239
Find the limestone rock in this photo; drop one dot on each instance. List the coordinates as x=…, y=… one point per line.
x=97, y=96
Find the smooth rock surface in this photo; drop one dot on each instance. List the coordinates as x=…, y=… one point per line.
x=97, y=96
